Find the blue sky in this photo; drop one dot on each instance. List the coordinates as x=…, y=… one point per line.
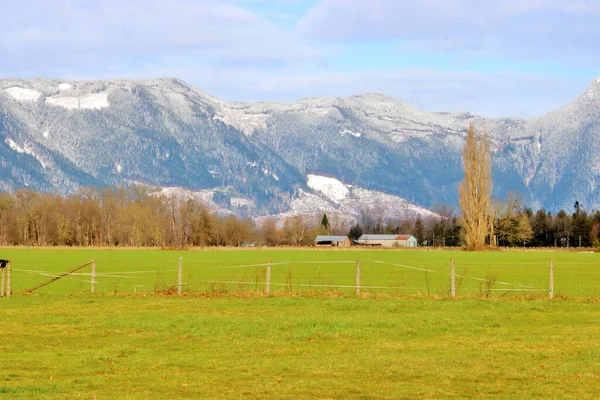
x=495, y=58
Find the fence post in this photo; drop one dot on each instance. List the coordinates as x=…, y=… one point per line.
x=551, y=291
x=93, y=290
x=452, y=279
x=180, y=277
x=357, y=277
x=268, y=283
x=2, y=284
x=8, y=289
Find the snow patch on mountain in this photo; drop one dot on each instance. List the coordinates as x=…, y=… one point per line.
x=24, y=150
x=309, y=203
x=91, y=101
x=330, y=187
x=247, y=118
x=310, y=208
x=70, y=103
x=267, y=172
x=360, y=206
x=64, y=86
x=379, y=205
x=346, y=131
x=23, y=94
x=94, y=101
x=355, y=203
x=205, y=196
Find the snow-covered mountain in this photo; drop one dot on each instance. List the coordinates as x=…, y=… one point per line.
x=348, y=154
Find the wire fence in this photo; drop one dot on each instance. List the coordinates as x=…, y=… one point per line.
x=345, y=277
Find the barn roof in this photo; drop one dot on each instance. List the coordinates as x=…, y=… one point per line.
x=378, y=237
x=405, y=237
x=331, y=238
x=384, y=237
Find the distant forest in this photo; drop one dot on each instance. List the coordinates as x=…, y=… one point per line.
x=139, y=217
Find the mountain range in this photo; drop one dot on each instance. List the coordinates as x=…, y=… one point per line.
x=365, y=153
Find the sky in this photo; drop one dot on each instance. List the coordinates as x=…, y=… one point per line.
x=493, y=58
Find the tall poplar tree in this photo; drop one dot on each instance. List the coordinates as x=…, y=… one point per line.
x=475, y=190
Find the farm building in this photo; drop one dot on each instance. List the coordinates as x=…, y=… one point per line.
x=388, y=240
x=336, y=241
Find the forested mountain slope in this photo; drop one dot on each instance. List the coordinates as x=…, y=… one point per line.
x=256, y=158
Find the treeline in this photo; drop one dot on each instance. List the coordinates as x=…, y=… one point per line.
x=114, y=217
x=516, y=225
x=136, y=217
x=513, y=226
x=445, y=230
x=140, y=217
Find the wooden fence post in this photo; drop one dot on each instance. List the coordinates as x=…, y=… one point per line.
x=8, y=288
x=93, y=290
x=357, y=277
x=2, y=284
x=452, y=279
x=268, y=283
x=180, y=277
x=551, y=291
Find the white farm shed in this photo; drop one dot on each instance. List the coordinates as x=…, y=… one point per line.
x=388, y=240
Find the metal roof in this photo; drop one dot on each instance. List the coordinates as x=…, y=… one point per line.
x=406, y=237
x=331, y=238
x=384, y=237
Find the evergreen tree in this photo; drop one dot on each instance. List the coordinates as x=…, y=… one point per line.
x=419, y=231
x=325, y=225
x=542, y=229
x=356, y=231
x=562, y=229
x=581, y=226
x=595, y=230
x=453, y=237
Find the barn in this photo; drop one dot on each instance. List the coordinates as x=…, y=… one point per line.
x=335, y=241
x=388, y=240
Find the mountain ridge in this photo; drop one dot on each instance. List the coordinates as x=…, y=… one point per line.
x=61, y=134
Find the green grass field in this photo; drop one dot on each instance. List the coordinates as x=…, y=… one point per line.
x=226, y=340
x=412, y=273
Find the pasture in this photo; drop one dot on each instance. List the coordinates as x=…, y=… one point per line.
x=384, y=272
x=314, y=338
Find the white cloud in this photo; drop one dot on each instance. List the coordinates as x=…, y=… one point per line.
x=551, y=29
x=150, y=29
x=226, y=49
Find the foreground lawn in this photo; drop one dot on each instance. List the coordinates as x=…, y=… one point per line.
x=157, y=347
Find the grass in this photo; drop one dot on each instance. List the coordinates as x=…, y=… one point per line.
x=132, y=347
x=390, y=272
x=231, y=341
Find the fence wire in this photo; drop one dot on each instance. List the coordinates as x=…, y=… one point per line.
x=296, y=276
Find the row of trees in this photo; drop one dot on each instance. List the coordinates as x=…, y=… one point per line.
x=512, y=224
x=138, y=217
x=509, y=223
x=521, y=226
x=109, y=217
